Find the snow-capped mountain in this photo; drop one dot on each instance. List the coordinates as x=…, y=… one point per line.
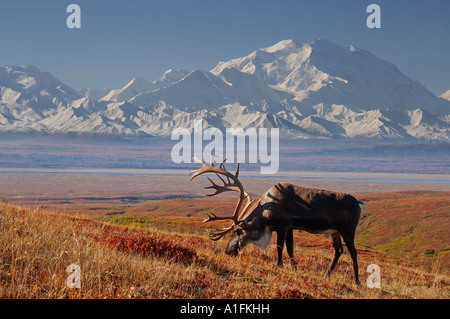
x=324, y=73
x=139, y=85
x=27, y=87
x=445, y=95
x=314, y=90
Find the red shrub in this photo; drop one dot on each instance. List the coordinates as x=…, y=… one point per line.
x=146, y=243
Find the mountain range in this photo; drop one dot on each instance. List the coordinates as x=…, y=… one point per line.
x=313, y=90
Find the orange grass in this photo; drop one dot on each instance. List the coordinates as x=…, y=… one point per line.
x=413, y=225
x=122, y=262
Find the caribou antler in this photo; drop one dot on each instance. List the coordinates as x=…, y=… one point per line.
x=231, y=183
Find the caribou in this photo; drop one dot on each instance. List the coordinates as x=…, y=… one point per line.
x=282, y=209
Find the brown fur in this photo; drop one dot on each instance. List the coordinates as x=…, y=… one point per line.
x=286, y=207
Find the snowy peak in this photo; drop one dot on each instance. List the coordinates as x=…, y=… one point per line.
x=30, y=80
x=131, y=89
x=25, y=77
x=285, y=55
x=197, y=90
x=138, y=84
x=324, y=45
x=323, y=72
x=28, y=94
x=172, y=76
x=284, y=45
x=445, y=95
x=313, y=90
x=285, y=67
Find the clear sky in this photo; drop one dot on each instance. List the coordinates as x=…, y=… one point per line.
x=119, y=40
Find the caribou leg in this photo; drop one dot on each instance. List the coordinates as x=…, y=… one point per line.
x=349, y=242
x=337, y=245
x=290, y=246
x=281, y=238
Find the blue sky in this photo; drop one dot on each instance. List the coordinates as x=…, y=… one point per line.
x=119, y=40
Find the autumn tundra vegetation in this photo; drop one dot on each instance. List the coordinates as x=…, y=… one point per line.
x=160, y=249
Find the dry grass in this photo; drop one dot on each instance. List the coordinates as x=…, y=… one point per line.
x=408, y=224
x=119, y=262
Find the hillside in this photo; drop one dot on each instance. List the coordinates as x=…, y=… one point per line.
x=117, y=261
x=412, y=225
x=409, y=225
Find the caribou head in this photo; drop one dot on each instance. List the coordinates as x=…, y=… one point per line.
x=242, y=233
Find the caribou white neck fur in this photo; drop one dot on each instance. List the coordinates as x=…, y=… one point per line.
x=264, y=241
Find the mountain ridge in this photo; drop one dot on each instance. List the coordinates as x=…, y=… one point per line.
x=313, y=90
